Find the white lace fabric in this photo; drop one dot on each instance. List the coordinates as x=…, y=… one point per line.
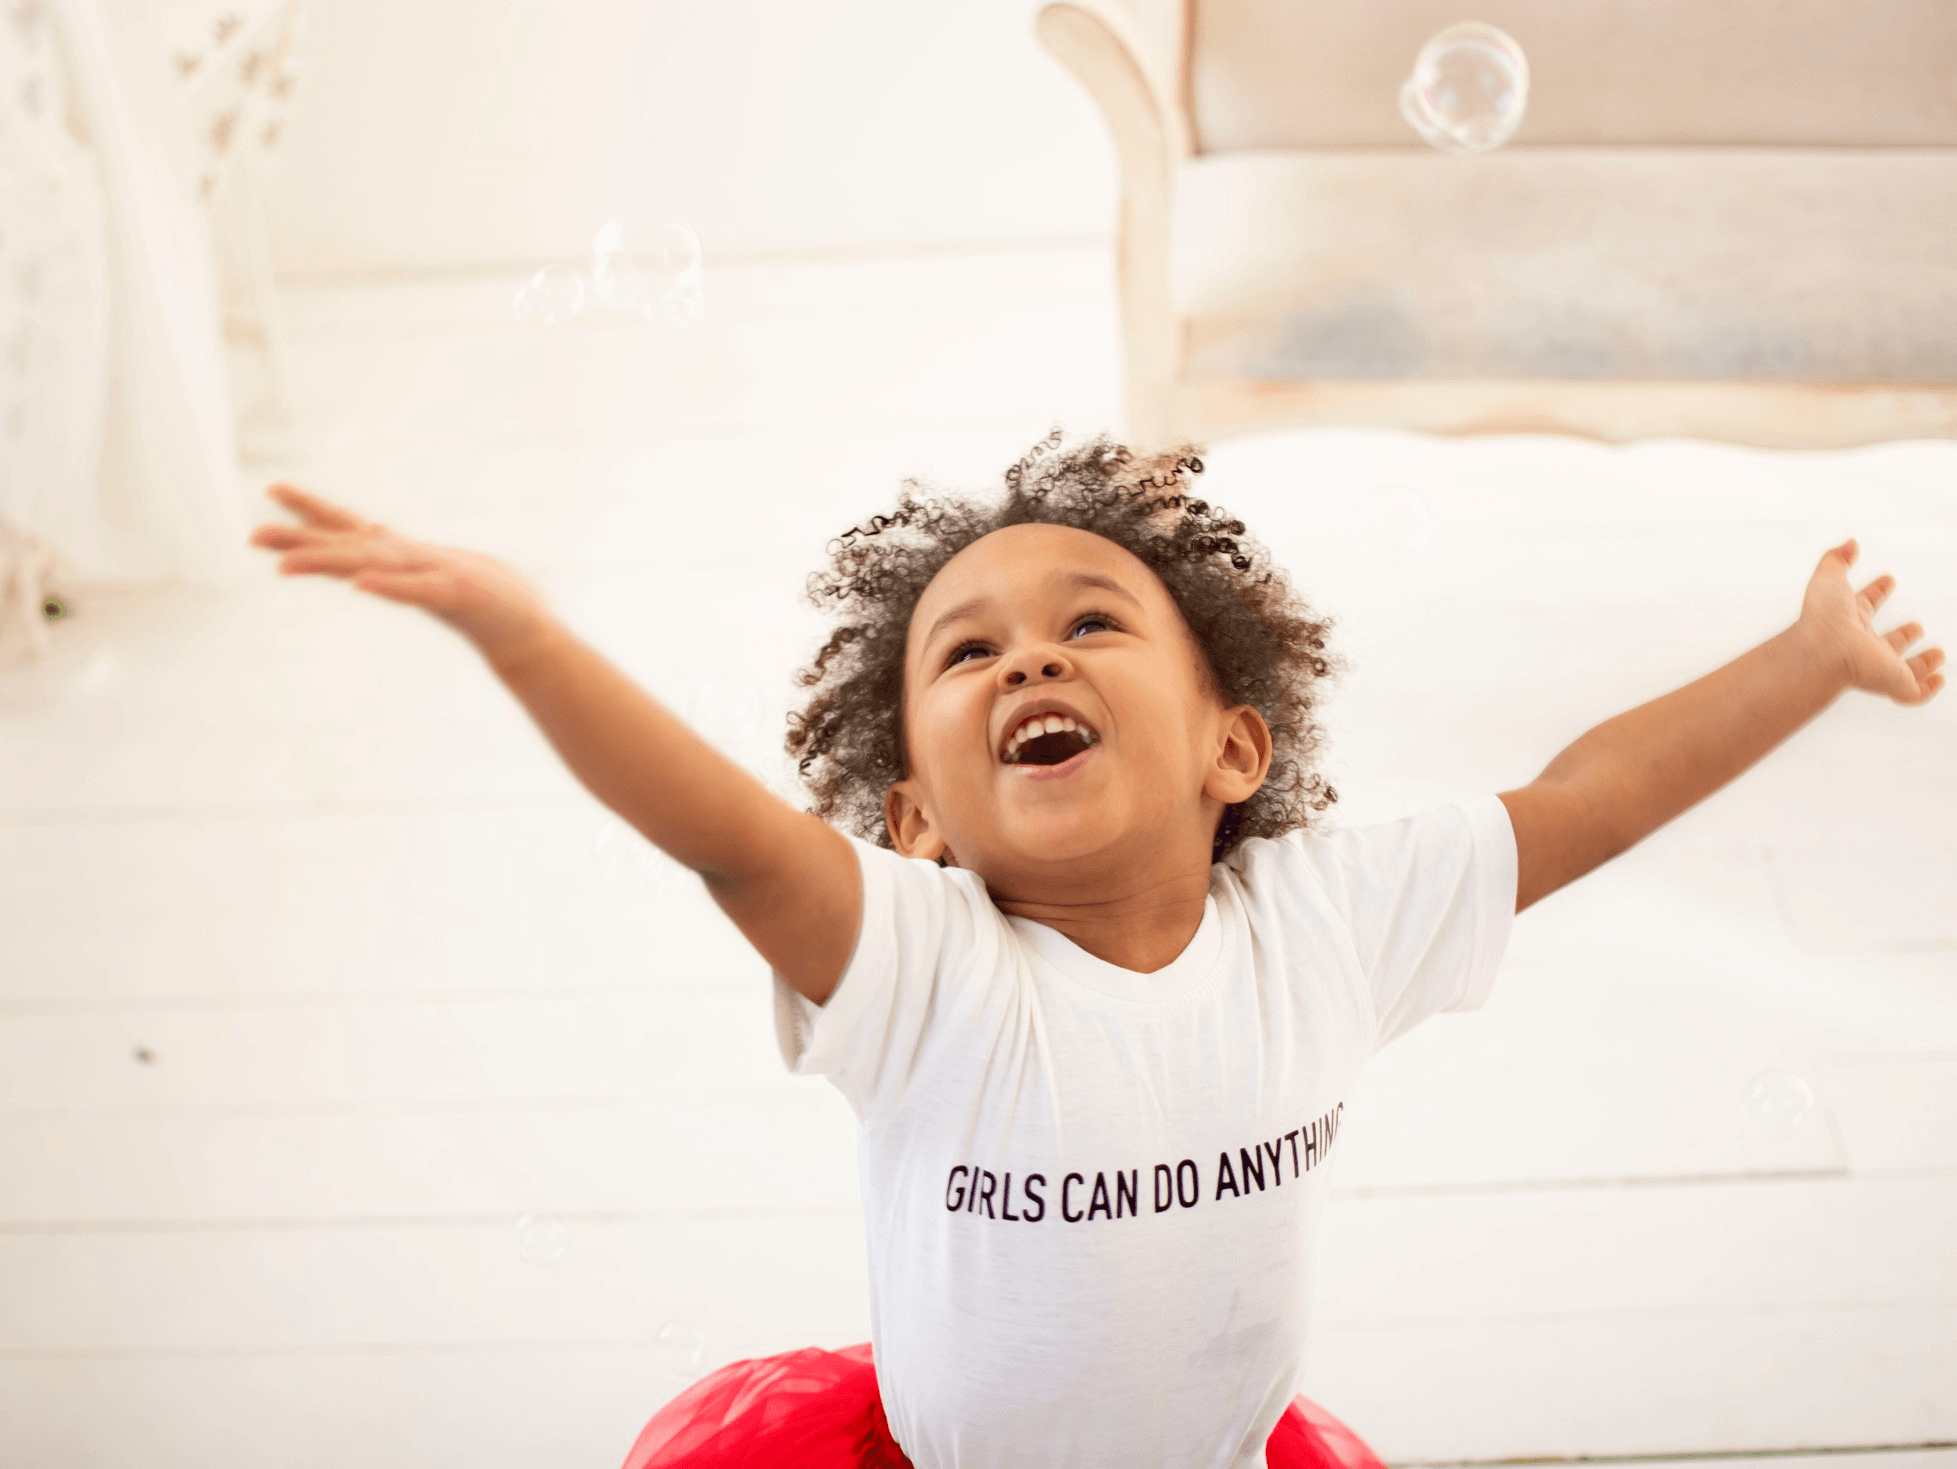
x=117, y=457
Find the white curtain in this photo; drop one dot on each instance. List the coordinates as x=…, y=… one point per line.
x=117, y=463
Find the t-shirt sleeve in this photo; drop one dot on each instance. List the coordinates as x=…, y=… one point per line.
x=866, y=1037
x=1429, y=901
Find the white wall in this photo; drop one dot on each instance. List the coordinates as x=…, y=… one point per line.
x=434, y=135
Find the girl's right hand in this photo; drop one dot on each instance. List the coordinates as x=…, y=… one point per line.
x=478, y=596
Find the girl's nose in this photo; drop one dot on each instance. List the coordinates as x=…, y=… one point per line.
x=1032, y=664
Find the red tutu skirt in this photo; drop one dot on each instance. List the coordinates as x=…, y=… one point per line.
x=816, y=1409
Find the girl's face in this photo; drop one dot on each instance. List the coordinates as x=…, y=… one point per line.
x=1133, y=756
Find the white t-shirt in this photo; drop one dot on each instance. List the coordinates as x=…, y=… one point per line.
x=1090, y=1194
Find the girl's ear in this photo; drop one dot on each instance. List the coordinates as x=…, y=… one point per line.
x=1243, y=756
x=911, y=829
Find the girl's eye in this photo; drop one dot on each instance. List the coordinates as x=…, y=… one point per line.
x=970, y=650
x=1093, y=624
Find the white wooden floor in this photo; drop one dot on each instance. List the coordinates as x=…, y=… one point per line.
x=311, y=981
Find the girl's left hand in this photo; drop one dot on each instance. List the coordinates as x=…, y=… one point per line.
x=1844, y=621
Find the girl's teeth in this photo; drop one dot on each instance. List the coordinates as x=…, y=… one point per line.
x=1039, y=725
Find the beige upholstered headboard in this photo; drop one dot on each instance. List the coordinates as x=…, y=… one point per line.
x=1327, y=73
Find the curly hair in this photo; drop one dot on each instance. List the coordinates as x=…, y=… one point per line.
x=1261, y=644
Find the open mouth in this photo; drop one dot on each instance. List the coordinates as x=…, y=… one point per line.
x=1048, y=739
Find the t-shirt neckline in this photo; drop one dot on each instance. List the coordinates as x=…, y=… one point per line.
x=1187, y=972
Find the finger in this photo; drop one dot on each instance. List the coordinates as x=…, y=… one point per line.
x=321, y=513
x=1877, y=592
x=1847, y=551
x=417, y=588
x=347, y=559
x=284, y=537
x=1922, y=679
x=1901, y=637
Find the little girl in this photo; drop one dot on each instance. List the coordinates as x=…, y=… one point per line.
x=1061, y=929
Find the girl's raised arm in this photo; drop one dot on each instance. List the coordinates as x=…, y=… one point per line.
x=787, y=879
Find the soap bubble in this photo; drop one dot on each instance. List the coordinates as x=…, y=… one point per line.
x=738, y=719
x=651, y=269
x=554, y=294
x=683, y=306
x=1468, y=90
x=1778, y=1104
x=626, y=859
x=621, y=281
x=631, y=264
x=682, y=1347
x=1393, y=523
x=541, y=1238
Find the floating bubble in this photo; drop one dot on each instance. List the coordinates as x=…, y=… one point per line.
x=1778, y=1103
x=554, y=295
x=1393, y=523
x=739, y=720
x=652, y=269
x=683, y=306
x=626, y=859
x=1468, y=89
x=682, y=1347
x=541, y=1238
x=632, y=265
x=621, y=281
